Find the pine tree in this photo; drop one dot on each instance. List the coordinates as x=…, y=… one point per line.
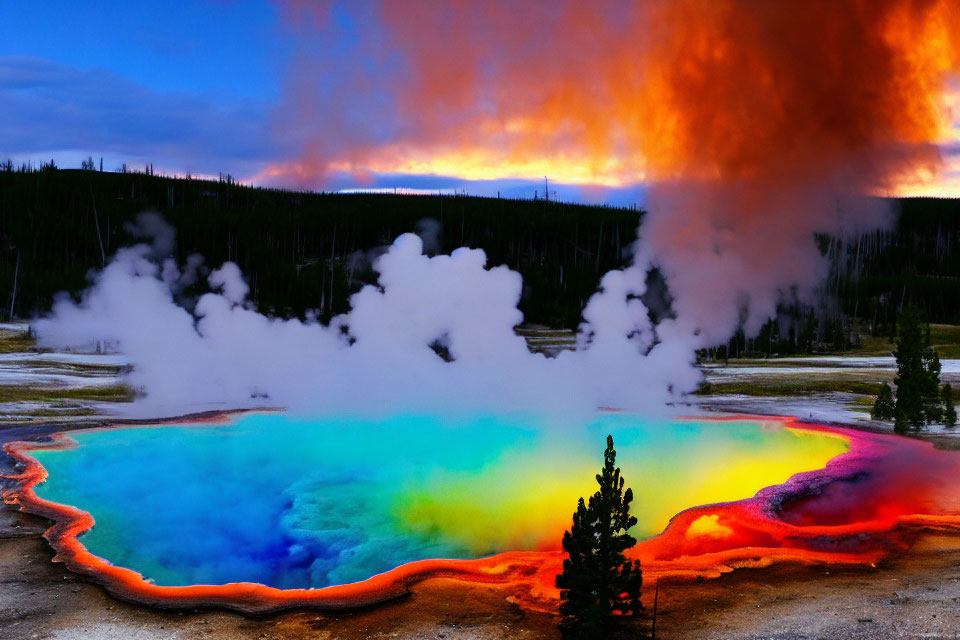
x=918, y=375
x=931, y=400
x=598, y=582
x=949, y=411
x=883, y=408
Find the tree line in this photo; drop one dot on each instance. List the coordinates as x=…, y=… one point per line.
x=305, y=251
x=301, y=251
x=872, y=278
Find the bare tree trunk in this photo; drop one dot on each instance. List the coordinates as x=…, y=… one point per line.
x=333, y=246
x=599, y=247
x=96, y=222
x=16, y=274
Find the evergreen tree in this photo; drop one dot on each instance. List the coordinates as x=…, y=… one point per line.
x=918, y=376
x=598, y=582
x=932, y=408
x=883, y=408
x=949, y=411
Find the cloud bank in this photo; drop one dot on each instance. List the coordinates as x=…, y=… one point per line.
x=56, y=110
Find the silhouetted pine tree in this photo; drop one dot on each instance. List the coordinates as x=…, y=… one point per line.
x=918, y=376
x=598, y=582
x=949, y=411
x=932, y=409
x=883, y=408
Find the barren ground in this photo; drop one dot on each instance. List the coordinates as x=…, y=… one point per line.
x=916, y=595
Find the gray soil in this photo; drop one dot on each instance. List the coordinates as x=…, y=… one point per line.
x=916, y=595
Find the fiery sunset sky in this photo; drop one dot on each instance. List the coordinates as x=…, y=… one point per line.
x=601, y=97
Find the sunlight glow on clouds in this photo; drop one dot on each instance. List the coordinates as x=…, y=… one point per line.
x=944, y=183
x=469, y=164
x=616, y=93
x=394, y=94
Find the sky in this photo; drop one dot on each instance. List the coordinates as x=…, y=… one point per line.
x=329, y=95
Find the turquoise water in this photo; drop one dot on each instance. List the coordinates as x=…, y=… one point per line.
x=309, y=503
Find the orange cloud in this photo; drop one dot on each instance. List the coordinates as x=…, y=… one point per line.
x=755, y=123
x=610, y=91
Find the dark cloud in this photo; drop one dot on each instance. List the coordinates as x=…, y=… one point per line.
x=50, y=107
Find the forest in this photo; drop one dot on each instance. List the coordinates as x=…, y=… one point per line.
x=308, y=251
x=872, y=278
x=301, y=251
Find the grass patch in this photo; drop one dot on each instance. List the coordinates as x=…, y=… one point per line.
x=862, y=404
x=82, y=369
x=26, y=393
x=945, y=338
x=789, y=388
x=945, y=333
x=875, y=346
x=778, y=362
x=12, y=341
x=948, y=351
x=24, y=417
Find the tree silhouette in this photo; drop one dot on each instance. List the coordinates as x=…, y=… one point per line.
x=598, y=582
x=883, y=408
x=949, y=411
x=931, y=399
x=918, y=376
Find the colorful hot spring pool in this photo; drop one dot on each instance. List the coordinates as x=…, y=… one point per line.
x=298, y=505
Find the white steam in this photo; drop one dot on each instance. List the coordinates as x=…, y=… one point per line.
x=730, y=253
x=377, y=359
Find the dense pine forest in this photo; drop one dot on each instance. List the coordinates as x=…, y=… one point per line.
x=309, y=251
x=917, y=262
x=300, y=251
x=872, y=278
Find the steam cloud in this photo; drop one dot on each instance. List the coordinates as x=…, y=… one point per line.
x=756, y=125
x=376, y=359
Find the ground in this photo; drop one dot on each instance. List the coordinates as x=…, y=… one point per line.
x=912, y=595
x=916, y=595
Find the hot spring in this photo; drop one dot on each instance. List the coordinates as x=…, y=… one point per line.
x=293, y=503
